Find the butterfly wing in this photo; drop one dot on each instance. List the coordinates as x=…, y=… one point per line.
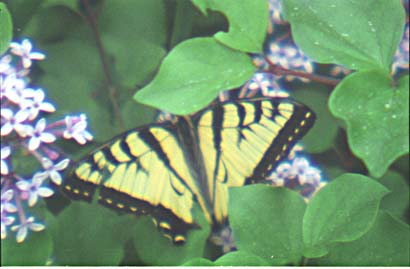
x=246, y=139
x=136, y=174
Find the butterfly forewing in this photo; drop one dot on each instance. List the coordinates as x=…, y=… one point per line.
x=140, y=172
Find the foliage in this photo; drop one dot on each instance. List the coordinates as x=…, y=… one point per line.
x=118, y=61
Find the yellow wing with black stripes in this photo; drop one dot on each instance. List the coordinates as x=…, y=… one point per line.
x=244, y=140
x=162, y=169
x=141, y=172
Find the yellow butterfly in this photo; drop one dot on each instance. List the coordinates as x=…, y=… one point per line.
x=162, y=169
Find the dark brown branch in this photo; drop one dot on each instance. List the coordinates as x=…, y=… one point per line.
x=280, y=71
x=90, y=17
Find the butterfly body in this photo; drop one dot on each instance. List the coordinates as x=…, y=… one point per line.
x=163, y=168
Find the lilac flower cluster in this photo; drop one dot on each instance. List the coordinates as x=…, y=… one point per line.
x=24, y=129
x=401, y=57
x=281, y=51
x=298, y=174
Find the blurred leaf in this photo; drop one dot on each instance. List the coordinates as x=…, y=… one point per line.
x=53, y=23
x=155, y=249
x=267, y=222
x=6, y=29
x=397, y=201
x=73, y=79
x=357, y=34
x=241, y=258
x=133, y=62
x=71, y=4
x=386, y=244
x=134, y=33
x=325, y=126
x=88, y=234
x=376, y=115
x=136, y=115
x=130, y=20
x=342, y=211
x=22, y=11
x=247, y=34
x=33, y=251
x=193, y=73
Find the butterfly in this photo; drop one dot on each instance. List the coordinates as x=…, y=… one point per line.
x=162, y=169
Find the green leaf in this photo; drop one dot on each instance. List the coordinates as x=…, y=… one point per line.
x=88, y=234
x=267, y=222
x=193, y=73
x=155, y=249
x=134, y=33
x=73, y=80
x=342, y=211
x=355, y=33
x=386, y=244
x=6, y=28
x=241, y=258
x=325, y=126
x=396, y=202
x=376, y=115
x=199, y=262
x=33, y=251
x=247, y=34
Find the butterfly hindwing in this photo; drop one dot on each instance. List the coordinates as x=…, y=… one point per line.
x=245, y=140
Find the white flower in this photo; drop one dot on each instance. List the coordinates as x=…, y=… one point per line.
x=282, y=173
x=38, y=135
x=13, y=122
x=5, y=221
x=34, y=188
x=52, y=170
x=6, y=206
x=13, y=88
x=311, y=176
x=225, y=239
x=76, y=128
x=5, y=153
x=5, y=66
x=22, y=229
x=37, y=104
x=24, y=51
x=259, y=81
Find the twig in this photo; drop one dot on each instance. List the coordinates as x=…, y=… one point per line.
x=280, y=71
x=110, y=86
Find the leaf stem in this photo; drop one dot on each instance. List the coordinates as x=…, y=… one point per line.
x=90, y=17
x=280, y=71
